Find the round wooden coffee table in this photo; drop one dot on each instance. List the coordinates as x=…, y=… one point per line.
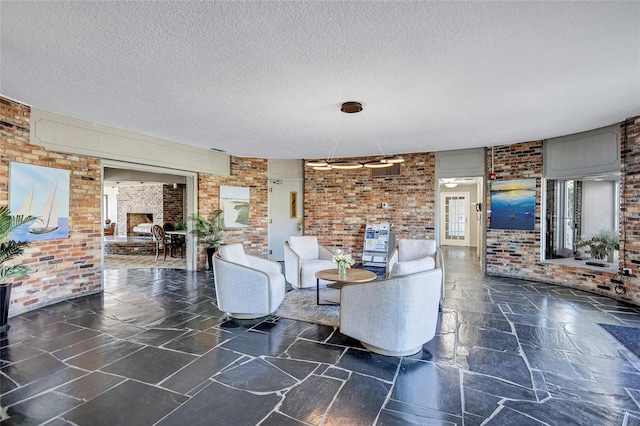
x=353, y=275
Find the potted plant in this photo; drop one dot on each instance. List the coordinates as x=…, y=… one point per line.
x=601, y=246
x=208, y=232
x=9, y=250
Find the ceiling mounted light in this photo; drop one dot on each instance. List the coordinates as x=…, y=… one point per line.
x=329, y=164
x=451, y=185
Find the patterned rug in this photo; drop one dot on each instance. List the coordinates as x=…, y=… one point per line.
x=146, y=261
x=300, y=304
x=628, y=336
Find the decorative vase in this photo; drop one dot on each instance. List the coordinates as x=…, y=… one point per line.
x=210, y=252
x=342, y=269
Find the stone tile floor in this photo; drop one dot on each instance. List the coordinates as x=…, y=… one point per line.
x=154, y=349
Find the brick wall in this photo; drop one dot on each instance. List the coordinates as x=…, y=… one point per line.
x=245, y=172
x=511, y=252
x=139, y=199
x=172, y=204
x=630, y=206
x=58, y=269
x=339, y=203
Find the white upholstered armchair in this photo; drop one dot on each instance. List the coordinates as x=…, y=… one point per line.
x=395, y=316
x=303, y=257
x=411, y=254
x=246, y=286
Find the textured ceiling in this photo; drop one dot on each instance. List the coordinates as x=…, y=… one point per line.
x=266, y=79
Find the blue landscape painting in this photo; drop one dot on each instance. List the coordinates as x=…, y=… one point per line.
x=513, y=204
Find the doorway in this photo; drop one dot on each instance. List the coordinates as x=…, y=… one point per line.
x=454, y=219
x=285, y=214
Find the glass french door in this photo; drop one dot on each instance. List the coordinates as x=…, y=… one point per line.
x=455, y=219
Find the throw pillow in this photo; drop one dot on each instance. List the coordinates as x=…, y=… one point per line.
x=412, y=266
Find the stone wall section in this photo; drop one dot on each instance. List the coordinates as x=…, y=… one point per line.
x=245, y=172
x=139, y=199
x=630, y=206
x=338, y=204
x=58, y=269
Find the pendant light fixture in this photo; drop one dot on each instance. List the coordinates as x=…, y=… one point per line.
x=385, y=161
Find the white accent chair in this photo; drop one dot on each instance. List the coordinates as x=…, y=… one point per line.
x=395, y=316
x=246, y=286
x=303, y=257
x=408, y=252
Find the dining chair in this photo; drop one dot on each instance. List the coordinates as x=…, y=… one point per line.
x=161, y=240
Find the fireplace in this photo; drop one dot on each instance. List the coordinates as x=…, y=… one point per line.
x=135, y=219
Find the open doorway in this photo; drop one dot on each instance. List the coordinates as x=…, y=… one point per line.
x=461, y=212
x=137, y=197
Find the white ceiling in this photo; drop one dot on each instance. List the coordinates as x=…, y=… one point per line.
x=266, y=79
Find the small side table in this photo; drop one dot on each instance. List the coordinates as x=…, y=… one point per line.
x=353, y=275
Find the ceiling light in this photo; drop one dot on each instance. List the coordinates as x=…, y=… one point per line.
x=377, y=164
x=451, y=185
x=329, y=164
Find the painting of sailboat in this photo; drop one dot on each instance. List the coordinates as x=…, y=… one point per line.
x=42, y=192
x=513, y=204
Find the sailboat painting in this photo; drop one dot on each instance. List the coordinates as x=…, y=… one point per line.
x=42, y=192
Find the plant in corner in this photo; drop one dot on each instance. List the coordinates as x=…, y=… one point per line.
x=602, y=245
x=9, y=250
x=208, y=232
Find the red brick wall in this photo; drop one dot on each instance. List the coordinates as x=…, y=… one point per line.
x=59, y=269
x=630, y=206
x=172, y=204
x=509, y=252
x=245, y=172
x=338, y=204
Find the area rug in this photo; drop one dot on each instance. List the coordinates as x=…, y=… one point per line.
x=300, y=304
x=628, y=336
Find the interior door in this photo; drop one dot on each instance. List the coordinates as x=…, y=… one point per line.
x=455, y=219
x=285, y=207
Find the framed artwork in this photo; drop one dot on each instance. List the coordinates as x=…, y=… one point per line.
x=234, y=203
x=513, y=204
x=42, y=192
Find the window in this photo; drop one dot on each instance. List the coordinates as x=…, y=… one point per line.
x=579, y=209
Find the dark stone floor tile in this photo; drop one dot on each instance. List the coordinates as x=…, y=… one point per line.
x=544, y=337
x=534, y=320
x=480, y=403
x=633, y=420
x=369, y=363
x=226, y=405
x=93, y=321
x=256, y=375
x=237, y=326
x=84, y=346
x=338, y=338
x=206, y=307
x=602, y=365
x=440, y=349
x=39, y=386
x=496, y=387
x=103, y=355
x=200, y=323
x=316, y=332
x=277, y=419
x=65, y=340
x=508, y=417
x=256, y=343
x=173, y=320
x=200, y=370
x=6, y=384
x=19, y=352
x=564, y=412
x=199, y=342
x=129, y=403
x=54, y=330
x=156, y=337
x=429, y=385
x=447, y=322
x=312, y=351
x=150, y=364
x=367, y=393
x=40, y=408
x=472, y=336
x=336, y=373
x=124, y=331
x=90, y=386
x=34, y=368
x=293, y=367
x=597, y=347
x=487, y=321
x=413, y=413
x=548, y=360
x=506, y=366
x=596, y=392
x=309, y=401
